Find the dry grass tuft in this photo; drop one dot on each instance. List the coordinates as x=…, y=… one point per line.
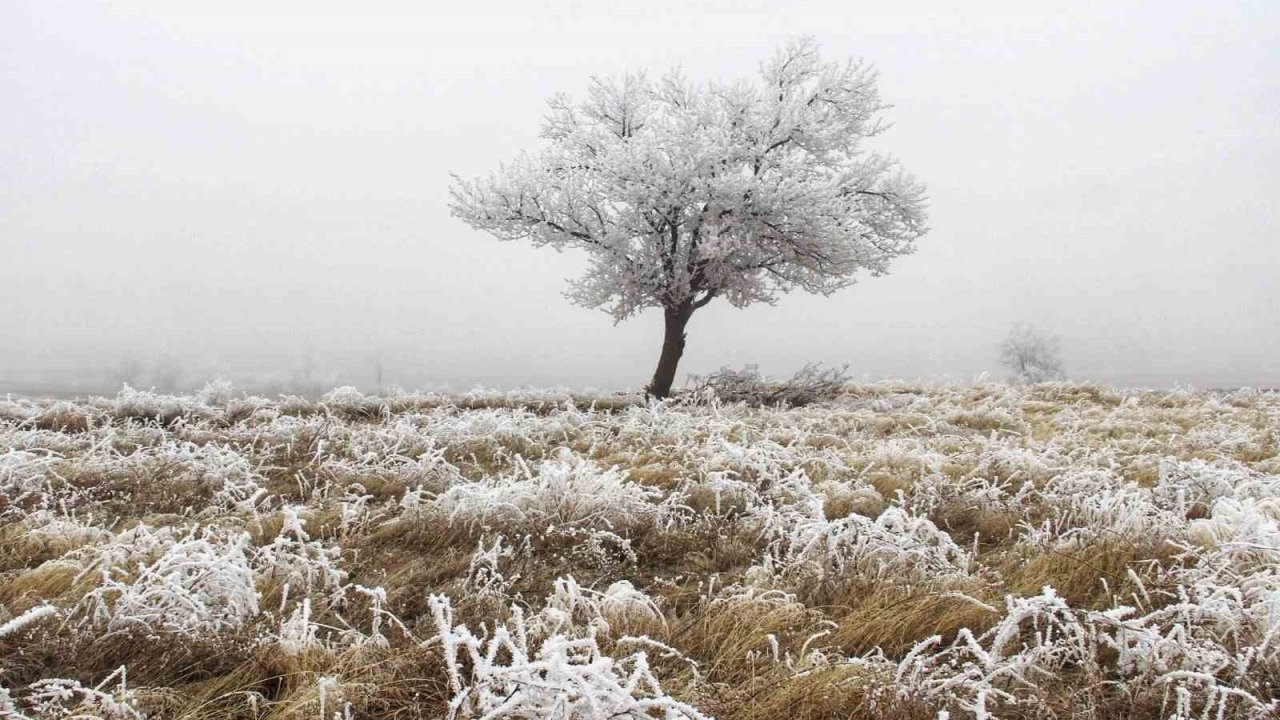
x=891, y=552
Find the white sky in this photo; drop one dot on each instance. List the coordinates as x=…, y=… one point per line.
x=243, y=185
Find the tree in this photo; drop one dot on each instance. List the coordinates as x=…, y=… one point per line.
x=682, y=193
x=1032, y=356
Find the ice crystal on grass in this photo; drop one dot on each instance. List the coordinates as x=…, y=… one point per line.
x=218, y=392
x=25, y=481
x=238, y=486
x=989, y=551
x=145, y=405
x=59, y=699
x=565, y=490
x=893, y=546
x=298, y=634
x=199, y=584
x=299, y=563
x=485, y=575
x=1246, y=532
x=29, y=617
x=809, y=385
x=511, y=670
x=572, y=608
x=350, y=400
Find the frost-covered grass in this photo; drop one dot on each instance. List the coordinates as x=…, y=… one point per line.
x=900, y=552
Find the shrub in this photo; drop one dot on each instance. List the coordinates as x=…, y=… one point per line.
x=811, y=384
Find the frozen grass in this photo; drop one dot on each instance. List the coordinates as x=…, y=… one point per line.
x=898, y=552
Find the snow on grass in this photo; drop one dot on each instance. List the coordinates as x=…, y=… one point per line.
x=916, y=552
x=192, y=585
x=513, y=670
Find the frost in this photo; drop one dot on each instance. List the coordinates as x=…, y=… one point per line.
x=29, y=617
x=146, y=405
x=57, y=699
x=764, y=541
x=713, y=158
x=216, y=393
x=485, y=577
x=300, y=563
x=25, y=480
x=893, y=545
x=566, y=490
x=513, y=671
x=572, y=607
x=1246, y=531
x=239, y=487
x=298, y=634
x=199, y=584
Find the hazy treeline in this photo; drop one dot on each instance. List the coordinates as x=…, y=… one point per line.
x=168, y=374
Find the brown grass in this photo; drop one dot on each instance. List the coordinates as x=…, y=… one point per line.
x=886, y=438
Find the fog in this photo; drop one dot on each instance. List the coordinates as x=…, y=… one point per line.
x=259, y=191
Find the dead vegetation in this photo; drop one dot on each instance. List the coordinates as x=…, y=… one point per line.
x=894, y=551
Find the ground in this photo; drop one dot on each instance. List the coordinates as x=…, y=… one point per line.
x=901, y=551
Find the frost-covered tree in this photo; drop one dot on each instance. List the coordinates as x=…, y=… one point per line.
x=683, y=193
x=1032, y=356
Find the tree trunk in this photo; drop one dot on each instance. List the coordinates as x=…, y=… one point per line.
x=672, y=348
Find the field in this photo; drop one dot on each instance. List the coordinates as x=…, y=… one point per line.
x=901, y=552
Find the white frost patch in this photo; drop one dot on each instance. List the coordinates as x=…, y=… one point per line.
x=566, y=490
x=199, y=584
x=517, y=670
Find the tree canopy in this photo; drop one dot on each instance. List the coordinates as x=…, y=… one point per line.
x=682, y=193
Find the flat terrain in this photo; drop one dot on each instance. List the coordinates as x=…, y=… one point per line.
x=1055, y=551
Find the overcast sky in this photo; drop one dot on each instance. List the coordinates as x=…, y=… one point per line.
x=260, y=187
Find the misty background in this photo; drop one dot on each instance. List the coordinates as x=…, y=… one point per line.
x=258, y=191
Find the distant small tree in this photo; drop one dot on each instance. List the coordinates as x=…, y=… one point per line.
x=684, y=193
x=1032, y=356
